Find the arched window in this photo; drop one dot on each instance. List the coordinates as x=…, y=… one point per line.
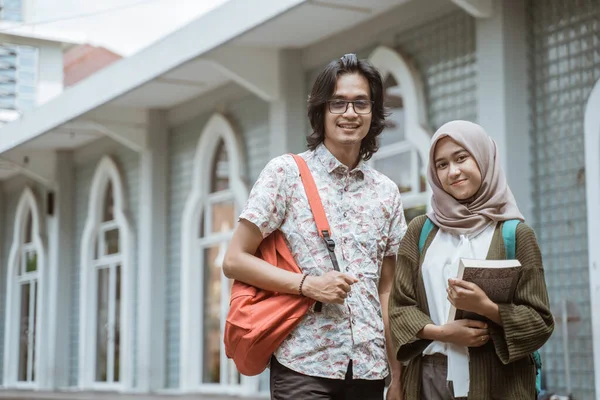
x=106, y=280
x=25, y=296
x=404, y=146
x=217, y=195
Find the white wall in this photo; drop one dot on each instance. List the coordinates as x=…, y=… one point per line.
x=50, y=78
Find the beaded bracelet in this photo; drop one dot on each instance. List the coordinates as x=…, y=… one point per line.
x=302, y=283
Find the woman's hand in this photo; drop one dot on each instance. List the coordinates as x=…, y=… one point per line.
x=465, y=332
x=467, y=296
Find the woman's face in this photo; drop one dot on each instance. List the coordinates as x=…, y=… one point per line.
x=456, y=169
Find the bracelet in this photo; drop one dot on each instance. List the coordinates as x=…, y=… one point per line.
x=302, y=283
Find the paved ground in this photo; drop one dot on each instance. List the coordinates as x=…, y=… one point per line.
x=16, y=395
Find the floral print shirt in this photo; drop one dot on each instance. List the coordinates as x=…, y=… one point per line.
x=367, y=222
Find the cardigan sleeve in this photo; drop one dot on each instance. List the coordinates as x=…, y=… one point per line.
x=528, y=321
x=405, y=316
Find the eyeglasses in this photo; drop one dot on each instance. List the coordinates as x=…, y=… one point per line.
x=359, y=106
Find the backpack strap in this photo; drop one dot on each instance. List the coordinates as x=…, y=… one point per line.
x=316, y=207
x=314, y=200
x=509, y=236
x=425, y=231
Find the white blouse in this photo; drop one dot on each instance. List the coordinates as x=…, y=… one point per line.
x=440, y=264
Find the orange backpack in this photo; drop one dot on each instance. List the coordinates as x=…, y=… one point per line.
x=259, y=320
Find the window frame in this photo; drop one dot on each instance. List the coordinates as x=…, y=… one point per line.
x=417, y=134
x=106, y=174
x=28, y=205
x=217, y=130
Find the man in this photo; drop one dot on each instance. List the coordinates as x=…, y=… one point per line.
x=339, y=352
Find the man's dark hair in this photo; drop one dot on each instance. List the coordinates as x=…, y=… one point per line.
x=323, y=89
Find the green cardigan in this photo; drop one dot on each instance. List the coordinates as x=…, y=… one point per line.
x=501, y=369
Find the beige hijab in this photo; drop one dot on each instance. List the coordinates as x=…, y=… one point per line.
x=493, y=201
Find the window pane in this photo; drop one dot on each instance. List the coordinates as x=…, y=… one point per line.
x=395, y=105
x=111, y=241
x=220, y=171
x=117, y=328
x=29, y=228
x=398, y=169
x=24, y=333
x=394, y=133
x=223, y=217
x=11, y=10
x=31, y=261
x=33, y=300
x=96, y=246
x=109, y=204
x=102, y=325
x=212, y=314
x=201, y=227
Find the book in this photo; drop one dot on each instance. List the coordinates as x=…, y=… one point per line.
x=497, y=278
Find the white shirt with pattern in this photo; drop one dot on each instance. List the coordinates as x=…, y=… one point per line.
x=366, y=218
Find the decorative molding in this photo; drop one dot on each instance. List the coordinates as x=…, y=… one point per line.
x=106, y=172
x=36, y=165
x=592, y=180
x=254, y=68
x=217, y=129
x=27, y=203
x=130, y=136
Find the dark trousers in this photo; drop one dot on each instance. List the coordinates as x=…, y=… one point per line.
x=434, y=383
x=287, y=384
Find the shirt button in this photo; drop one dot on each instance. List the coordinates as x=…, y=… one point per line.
x=345, y=214
x=346, y=189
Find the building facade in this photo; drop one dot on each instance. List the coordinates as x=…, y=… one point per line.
x=122, y=192
x=30, y=64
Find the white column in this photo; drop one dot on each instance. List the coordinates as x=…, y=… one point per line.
x=287, y=113
x=503, y=107
x=3, y=271
x=592, y=176
x=152, y=252
x=60, y=266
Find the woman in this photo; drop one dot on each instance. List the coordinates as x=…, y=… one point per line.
x=467, y=358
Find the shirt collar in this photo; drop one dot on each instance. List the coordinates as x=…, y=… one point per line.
x=332, y=164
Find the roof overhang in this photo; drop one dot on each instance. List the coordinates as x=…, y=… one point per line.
x=236, y=42
x=20, y=33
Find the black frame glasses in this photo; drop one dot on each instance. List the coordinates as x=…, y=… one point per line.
x=345, y=103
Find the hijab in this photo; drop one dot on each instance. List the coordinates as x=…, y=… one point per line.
x=493, y=201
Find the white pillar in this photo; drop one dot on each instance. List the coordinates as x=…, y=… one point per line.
x=152, y=252
x=3, y=270
x=287, y=113
x=59, y=223
x=592, y=176
x=503, y=107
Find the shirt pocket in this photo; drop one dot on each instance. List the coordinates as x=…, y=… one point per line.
x=372, y=220
x=364, y=262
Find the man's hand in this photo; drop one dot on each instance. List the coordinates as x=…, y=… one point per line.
x=394, y=391
x=333, y=287
x=465, y=332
